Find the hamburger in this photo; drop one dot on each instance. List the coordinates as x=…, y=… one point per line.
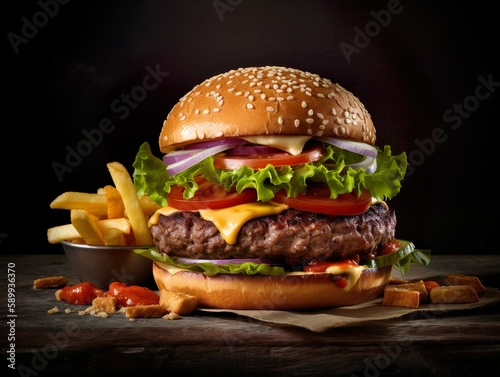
x=273, y=195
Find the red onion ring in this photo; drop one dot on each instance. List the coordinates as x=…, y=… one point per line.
x=226, y=261
x=351, y=146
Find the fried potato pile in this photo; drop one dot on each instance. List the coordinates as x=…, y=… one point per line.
x=113, y=216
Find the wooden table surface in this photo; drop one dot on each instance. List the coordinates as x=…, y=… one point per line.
x=223, y=344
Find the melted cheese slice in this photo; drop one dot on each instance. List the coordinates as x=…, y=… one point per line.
x=290, y=144
x=228, y=220
x=353, y=274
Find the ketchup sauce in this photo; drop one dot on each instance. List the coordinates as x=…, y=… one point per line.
x=132, y=295
x=126, y=295
x=81, y=293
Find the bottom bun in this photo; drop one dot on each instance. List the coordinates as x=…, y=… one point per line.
x=290, y=292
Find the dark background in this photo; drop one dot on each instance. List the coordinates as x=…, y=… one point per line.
x=411, y=63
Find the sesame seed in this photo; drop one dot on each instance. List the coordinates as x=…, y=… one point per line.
x=197, y=111
x=280, y=120
x=238, y=93
x=320, y=116
x=251, y=97
x=215, y=110
x=183, y=117
x=310, y=112
x=334, y=112
x=272, y=99
x=296, y=122
x=270, y=108
x=310, y=120
x=206, y=111
x=250, y=106
x=263, y=96
x=289, y=98
x=304, y=104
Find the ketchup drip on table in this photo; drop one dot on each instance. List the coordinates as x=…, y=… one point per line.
x=126, y=295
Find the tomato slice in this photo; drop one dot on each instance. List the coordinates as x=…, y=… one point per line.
x=231, y=161
x=208, y=196
x=317, y=200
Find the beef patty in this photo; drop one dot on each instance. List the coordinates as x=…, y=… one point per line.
x=294, y=235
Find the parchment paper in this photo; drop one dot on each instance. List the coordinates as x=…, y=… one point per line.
x=322, y=320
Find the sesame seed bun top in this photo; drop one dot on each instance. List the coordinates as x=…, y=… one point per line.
x=256, y=101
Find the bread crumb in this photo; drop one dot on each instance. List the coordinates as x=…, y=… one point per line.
x=418, y=286
x=171, y=316
x=459, y=279
x=454, y=294
x=59, y=296
x=401, y=297
x=178, y=302
x=104, y=304
x=50, y=282
x=54, y=310
x=148, y=311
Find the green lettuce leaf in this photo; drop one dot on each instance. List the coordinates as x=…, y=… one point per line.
x=151, y=178
x=211, y=269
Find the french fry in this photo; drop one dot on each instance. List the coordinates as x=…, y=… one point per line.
x=87, y=226
x=60, y=233
x=122, y=224
x=92, y=203
x=148, y=205
x=114, y=202
x=114, y=237
x=124, y=184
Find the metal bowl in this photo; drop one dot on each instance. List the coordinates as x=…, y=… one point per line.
x=102, y=265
